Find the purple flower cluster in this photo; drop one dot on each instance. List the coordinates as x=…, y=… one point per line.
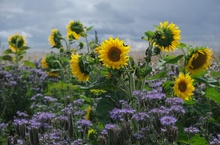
x=83, y=125
x=191, y=129
x=168, y=120
x=141, y=116
x=120, y=114
x=216, y=140
x=174, y=101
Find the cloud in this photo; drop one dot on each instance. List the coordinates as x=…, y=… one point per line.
x=128, y=20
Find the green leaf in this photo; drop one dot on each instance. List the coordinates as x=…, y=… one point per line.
x=149, y=34
x=197, y=140
x=172, y=60
x=8, y=51
x=207, y=81
x=21, y=52
x=29, y=64
x=212, y=94
x=215, y=73
x=24, y=48
x=158, y=76
x=182, y=45
x=106, y=104
x=90, y=28
x=7, y=57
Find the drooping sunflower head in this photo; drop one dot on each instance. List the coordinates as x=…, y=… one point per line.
x=55, y=38
x=49, y=63
x=199, y=60
x=183, y=87
x=74, y=30
x=114, y=54
x=79, y=67
x=16, y=42
x=167, y=36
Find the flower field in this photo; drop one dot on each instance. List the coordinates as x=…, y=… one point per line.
x=105, y=96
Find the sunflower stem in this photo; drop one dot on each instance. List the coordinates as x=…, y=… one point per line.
x=87, y=44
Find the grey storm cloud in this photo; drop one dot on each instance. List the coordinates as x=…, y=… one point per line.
x=126, y=19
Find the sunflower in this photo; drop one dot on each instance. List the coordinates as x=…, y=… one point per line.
x=45, y=64
x=78, y=70
x=167, y=36
x=199, y=61
x=16, y=42
x=183, y=86
x=74, y=30
x=113, y=53
x=55, y=38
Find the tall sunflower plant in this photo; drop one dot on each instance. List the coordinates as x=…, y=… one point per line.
x=16, y=52
x=58, y=64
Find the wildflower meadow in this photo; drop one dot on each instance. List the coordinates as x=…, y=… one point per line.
x=101, y=96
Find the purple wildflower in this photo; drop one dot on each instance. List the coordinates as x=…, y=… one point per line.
x=191, y=130
x=80, y=113
x=78, y=102
x=168, y=120
x=34, y=123
x=49, y=99
x=119, y=114
x=62, y=118
x=110, y=126
x=174, y=101
x=83, y=124
x=159, y=111
x=3, y=126
x=44, y=116
x=22, y=114
x=156, y=84
x=177, y=109
x=141, y=116
x=216, y=140
x=36, y=96
x=67, y=111
x=77, y=142
x=20, y=122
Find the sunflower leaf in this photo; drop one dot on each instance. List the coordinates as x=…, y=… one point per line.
x=8, y=51
x=213, y=94
x=7, y=57
x=29, y=64
x=173, y=60
x=149, y=34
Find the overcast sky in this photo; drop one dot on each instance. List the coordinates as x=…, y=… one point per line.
x=199, y=20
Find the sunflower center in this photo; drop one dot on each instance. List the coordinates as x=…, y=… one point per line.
x=182, y=86
x=17, y=41
x=199, y=61
x=114, y=54
x=164, y=38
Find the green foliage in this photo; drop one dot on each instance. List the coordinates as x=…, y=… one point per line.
x=106, y=104
x=62, y=89
x=213, y=94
